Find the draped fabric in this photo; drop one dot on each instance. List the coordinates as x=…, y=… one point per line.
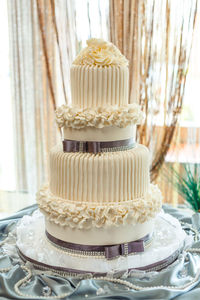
x=181, y=280
x=45, y=36
x=33, y=102
x=157, y=41
x=40, y=81
x=125, y=34
x=185, y=146
x=62, y=27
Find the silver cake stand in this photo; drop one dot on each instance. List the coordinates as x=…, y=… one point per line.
x=168, y=241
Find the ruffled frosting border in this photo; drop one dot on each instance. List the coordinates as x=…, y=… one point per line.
x=84, y=215
x=120, y=116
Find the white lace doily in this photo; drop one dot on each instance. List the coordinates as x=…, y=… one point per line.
x=32, y=242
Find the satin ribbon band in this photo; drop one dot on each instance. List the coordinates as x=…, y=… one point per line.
x=108, y=251
x=97, y=147
x=159, y=265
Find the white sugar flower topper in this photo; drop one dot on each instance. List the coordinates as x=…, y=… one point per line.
x=100, y=53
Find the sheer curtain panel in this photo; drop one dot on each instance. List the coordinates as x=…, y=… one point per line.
x=156, y=37
x=35, y=130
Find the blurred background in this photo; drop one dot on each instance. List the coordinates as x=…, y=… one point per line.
x=40, y=39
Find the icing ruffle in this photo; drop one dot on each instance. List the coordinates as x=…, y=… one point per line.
x=84, y=215
x=119, y=116
x=101, y=54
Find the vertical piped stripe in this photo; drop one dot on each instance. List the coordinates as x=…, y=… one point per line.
x=113, y=87
x=106, y=177
x=125, y=187
x=90, y=175
x=121, y=177
x=95, y=182
x=90, y=89
x=104, y=88
x=128, y=177
x=99, y=86
x=109, y=85
x=111, y=177
x=95, y=87
x=119, y=81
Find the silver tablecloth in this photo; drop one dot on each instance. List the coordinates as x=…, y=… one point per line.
x=181, y=280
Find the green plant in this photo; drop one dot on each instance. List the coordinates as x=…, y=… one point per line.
x=186, y=183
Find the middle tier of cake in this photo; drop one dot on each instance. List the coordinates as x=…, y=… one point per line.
x=100, y=178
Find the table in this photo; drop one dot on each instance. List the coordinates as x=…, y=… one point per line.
x=181, y=280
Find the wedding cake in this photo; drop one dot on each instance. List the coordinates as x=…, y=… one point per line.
x=99, y=205
x=99, y=191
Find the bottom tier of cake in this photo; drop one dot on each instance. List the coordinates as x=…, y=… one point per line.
x=108, y=235
x=34, y=246
x=99, y=223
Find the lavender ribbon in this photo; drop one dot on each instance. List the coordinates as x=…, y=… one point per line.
x=97, y=147
x=124, y=249
x=111, y=251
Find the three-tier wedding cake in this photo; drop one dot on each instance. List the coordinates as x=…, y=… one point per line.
x=99, y=205
x=99, y=191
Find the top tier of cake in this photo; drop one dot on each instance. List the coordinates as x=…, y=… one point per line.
x=99, y=76
x=99, y=108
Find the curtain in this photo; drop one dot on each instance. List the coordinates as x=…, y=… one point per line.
x=125, y=34
x=45, y=36
x=33, y=100
x=62, y=26
x=185, y=147
x=156, y=37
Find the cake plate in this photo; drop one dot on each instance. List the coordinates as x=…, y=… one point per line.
x=168, y=241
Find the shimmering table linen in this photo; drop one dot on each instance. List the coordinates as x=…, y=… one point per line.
x=181, y=280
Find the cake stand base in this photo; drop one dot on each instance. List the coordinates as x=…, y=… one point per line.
x=33, y=246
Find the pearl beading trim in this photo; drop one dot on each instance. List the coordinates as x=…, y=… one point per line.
x=193, y=250
x=26, y=279
x=116, y=149
x=94, y=254
x=4, y=270
x=112, y=149
x=114, y=280
x=76, y=253
x=138, y=288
